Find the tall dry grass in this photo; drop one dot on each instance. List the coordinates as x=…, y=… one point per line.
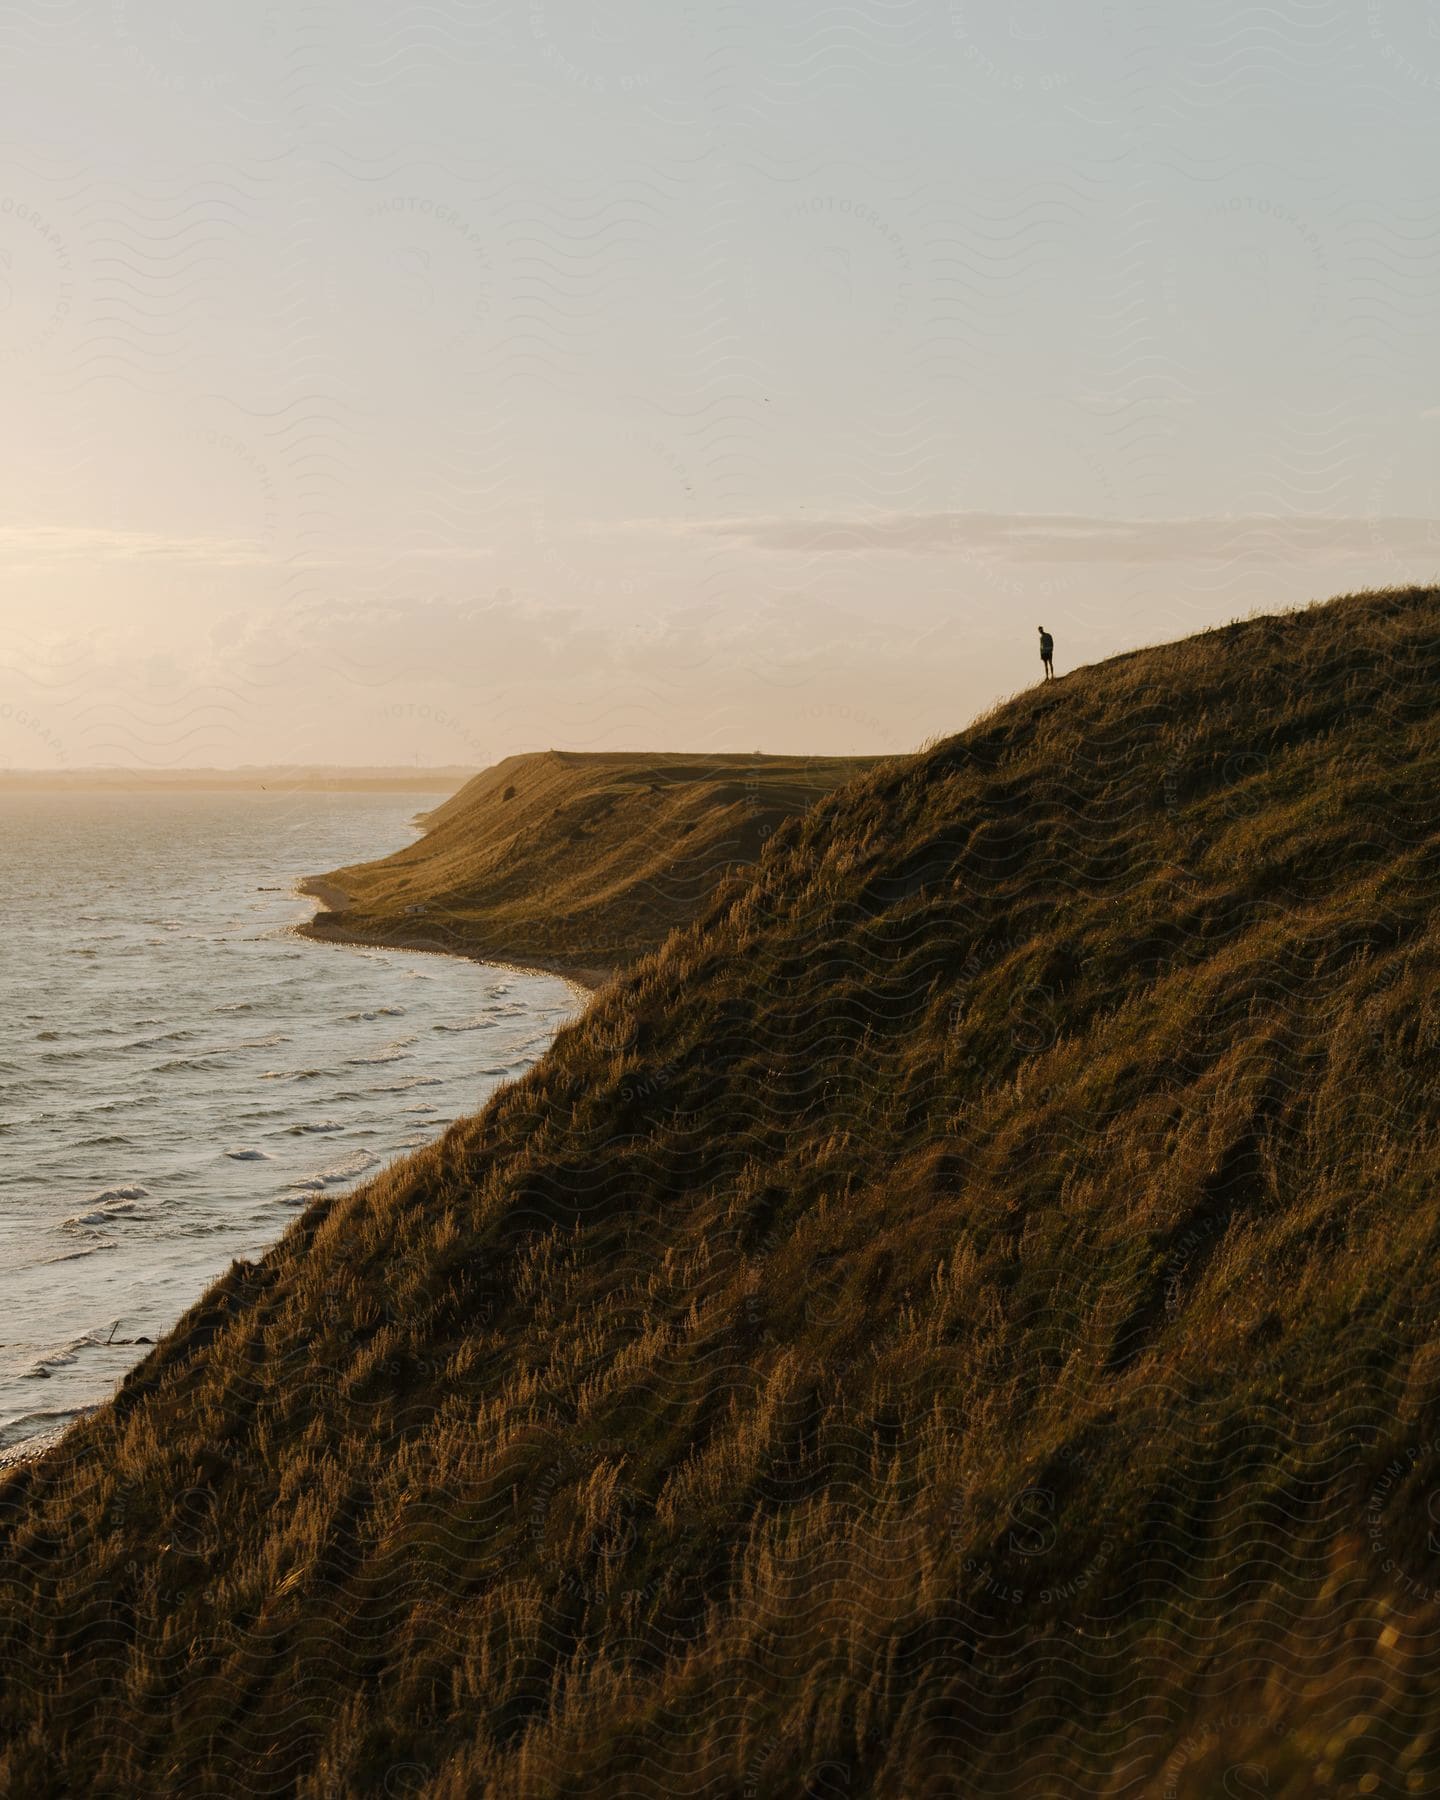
x=959, y=1318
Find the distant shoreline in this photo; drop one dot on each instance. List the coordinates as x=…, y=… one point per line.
x=243, y=781
x=327, y=927
x=574, y=863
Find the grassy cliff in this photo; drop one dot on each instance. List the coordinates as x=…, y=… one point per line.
x=960, y=1318
x=573, y=861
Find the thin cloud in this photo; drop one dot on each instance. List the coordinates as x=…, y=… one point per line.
x=1074, y=538
x=39, y=544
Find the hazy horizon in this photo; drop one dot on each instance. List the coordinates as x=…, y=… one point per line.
x=440, y=383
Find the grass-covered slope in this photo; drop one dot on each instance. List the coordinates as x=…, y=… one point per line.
x=575, y=861
x=962, y=1318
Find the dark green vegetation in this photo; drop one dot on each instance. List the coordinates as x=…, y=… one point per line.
x=572, y=861
x=961, y=1318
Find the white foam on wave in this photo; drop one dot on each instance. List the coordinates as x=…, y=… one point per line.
x=30, y=1432
x=318, y=1125
x=111, y=1203
x=347, y=1168
x=102, y=1215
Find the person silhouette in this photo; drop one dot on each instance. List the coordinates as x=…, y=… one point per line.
x=1047, y=651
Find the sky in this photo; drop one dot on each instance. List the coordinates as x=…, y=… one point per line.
x=437, y=381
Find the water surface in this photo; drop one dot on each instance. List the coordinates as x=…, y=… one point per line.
x=179, y=1072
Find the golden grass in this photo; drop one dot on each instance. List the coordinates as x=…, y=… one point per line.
x=575, y=861
x=958, y=1318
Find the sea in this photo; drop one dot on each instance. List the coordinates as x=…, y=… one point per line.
x=180, y=1073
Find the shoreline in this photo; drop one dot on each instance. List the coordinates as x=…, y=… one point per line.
x=15, y=1456
x=333, y=905
x=586, y=982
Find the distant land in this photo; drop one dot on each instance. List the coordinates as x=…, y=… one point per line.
x=575, y=862
x=250, y=777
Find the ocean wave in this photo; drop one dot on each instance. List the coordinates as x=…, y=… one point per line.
x=102, y=1215
x=346, y=1169
x=107, y=1206
x=26, y=1430
x=176, y=1093
x=197, y=1059
x=335, y=1174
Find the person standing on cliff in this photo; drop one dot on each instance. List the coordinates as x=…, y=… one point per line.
x=1047, y=651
